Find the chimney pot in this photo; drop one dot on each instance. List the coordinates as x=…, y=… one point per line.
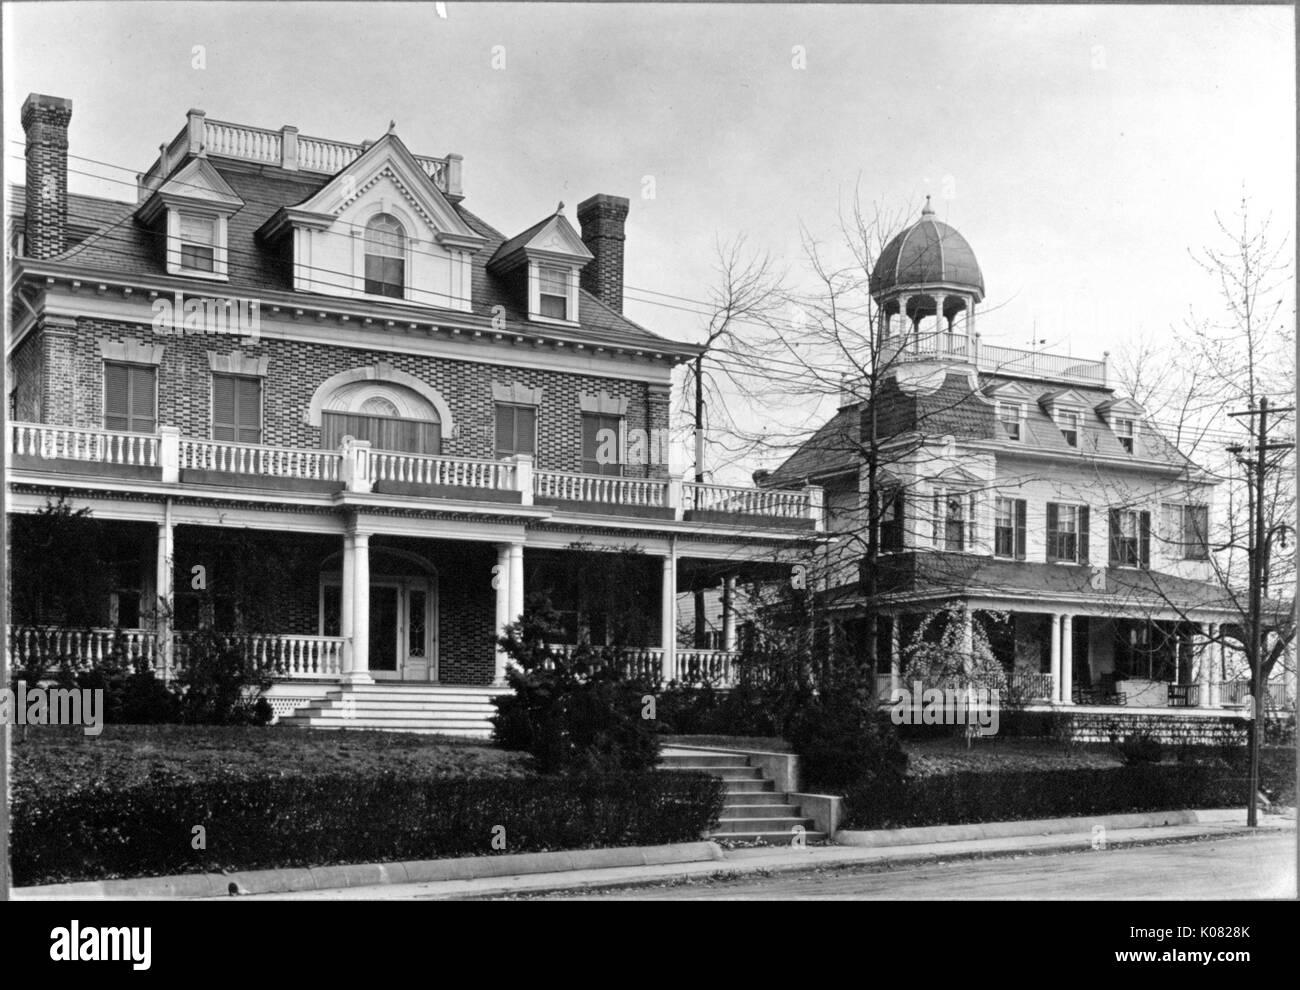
x=602, y=218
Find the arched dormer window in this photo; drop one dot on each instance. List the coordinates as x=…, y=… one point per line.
x=385, y=257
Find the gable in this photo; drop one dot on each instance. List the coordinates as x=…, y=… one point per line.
x=388, y=175
x=551, y=239
x=197, y=185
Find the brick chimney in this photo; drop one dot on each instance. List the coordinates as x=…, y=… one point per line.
x=602, y=219
x=45, y=119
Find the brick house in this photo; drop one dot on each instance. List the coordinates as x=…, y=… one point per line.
x=1020, y=490
x=318, y=342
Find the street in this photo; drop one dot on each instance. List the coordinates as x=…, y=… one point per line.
x=1245, y=866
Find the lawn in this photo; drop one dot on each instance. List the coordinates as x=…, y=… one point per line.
x=125, y=755
x=931, y=757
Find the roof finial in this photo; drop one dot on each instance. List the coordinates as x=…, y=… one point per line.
x=392, y=127
x=928, y=211
x=560, y=208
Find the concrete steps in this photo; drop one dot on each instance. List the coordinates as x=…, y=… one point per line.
x=421, y=708
x=753, y=810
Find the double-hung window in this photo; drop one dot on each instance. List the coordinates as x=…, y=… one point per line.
x=553, y=292
x=891, y=521
x=385, y=257
x=1009, y=419
x=237, y=408
x=516, y=429
x=1187, y=531
x=953, y=515
x=130, y=397
x=1124, y=433
x=1130, y=538
x=602, y=444
x=1009, y=528
x=198, y=243
x=1067, y=532
x=1070, y=424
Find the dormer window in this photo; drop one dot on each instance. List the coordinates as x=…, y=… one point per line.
x=1070, y=424
x=553, y=292
x=385, y=257
x=1124, y=433
x=1009, y=420
x=198, y=243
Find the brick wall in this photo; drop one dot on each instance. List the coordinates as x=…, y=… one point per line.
x=25, y=379
x=45, y=120
x=73, y=385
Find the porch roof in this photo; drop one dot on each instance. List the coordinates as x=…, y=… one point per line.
x=920, y=577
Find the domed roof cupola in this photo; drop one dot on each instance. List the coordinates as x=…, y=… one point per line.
x=928, y=270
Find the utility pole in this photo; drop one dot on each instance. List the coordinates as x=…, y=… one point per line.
x=701, y=619
x=1257, y=553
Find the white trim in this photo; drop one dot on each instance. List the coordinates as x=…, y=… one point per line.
x=381, y=372
x=130, y=351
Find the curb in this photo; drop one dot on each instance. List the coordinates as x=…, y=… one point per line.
x=373, y=874
x=883, y=838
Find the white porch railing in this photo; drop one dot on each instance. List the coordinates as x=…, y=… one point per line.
x=73, y=443
x=692, y=667
x=602, y=489
x=286, y=655
x=260, y=459
x=997, y=359
x=769, y=503
x=81, y=648
x=424, y=469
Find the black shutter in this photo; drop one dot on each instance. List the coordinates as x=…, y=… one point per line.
x=142, y=399
x=1053, y=520
x=1144, y=552
x=1020, y=528
x=525, y=430
x=505, y=430
x=1113, y=520
x=223, y=408
x=249, y=409
x=117, y=413
x=1083, y=534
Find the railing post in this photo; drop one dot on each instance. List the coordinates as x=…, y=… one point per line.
x=524, y=477
x=169, y=453
x=673, y=496
x=356, y=468
x=289, y=148
x=453, y=174
x=196, y=127
x=668, y=617
x=816, y=507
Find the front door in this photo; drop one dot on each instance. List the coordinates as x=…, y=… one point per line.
x=403, y=646
x=403, y=626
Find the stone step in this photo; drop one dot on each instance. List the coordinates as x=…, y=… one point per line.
x=768, y=838
x=395, y=725
x=745, y=811
x=412, y=730
x=675, y=761
x=339, y=711
x=748, y=786
x=781, y=824
x=407, y=707
x=726, y=773
x=741, y=799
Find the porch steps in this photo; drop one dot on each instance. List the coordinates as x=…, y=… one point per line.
x=753, y=810
x=422, y=708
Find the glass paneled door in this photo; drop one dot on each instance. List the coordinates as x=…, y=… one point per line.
x=403, y=626
x=403, y=645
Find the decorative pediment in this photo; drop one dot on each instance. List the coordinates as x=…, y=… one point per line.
x=516, y=394
x=552, y=239
x=956, y=477
x=602, y=402
x=1123, y=407
x=196, y=186
x=1010, y=392
x=1064, y=398
x=387, y=174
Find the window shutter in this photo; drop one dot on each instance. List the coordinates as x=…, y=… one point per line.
x=116, y=396
x=526, y=430
x=1021, y=534
x=223, y=407
x=1113, y=520
x=249, y=409
x=1144, y=551
x=505, y=430
x=938, y=520
x=1053, y=520
x=1200, y=531
x=1083, y=534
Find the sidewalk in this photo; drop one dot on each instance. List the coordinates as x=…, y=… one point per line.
x=497, y=876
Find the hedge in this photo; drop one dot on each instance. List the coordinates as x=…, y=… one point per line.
x=969, y=797
x=294, y=821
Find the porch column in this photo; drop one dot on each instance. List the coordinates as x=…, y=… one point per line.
x=1204, y=660
x=668, y=616
x=967, y=641
x=729, y=613
x=165, y=599
x=1055, y=650
x=1216, y=659
x=501, y=584
x=357, y=596
x=346, y=594
x=516, y=573
x=1067, y=659
x=895, y=655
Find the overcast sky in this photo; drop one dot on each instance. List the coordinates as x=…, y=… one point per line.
x=1080, y=150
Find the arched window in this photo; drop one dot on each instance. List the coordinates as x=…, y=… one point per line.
x=385, y=257
x=391, y=417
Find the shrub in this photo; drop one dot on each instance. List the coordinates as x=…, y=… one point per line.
x=1141, y=748
x=295, y=821
x=964, y=797
x=574, y=711
x=843, y=739
x=219, y=683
